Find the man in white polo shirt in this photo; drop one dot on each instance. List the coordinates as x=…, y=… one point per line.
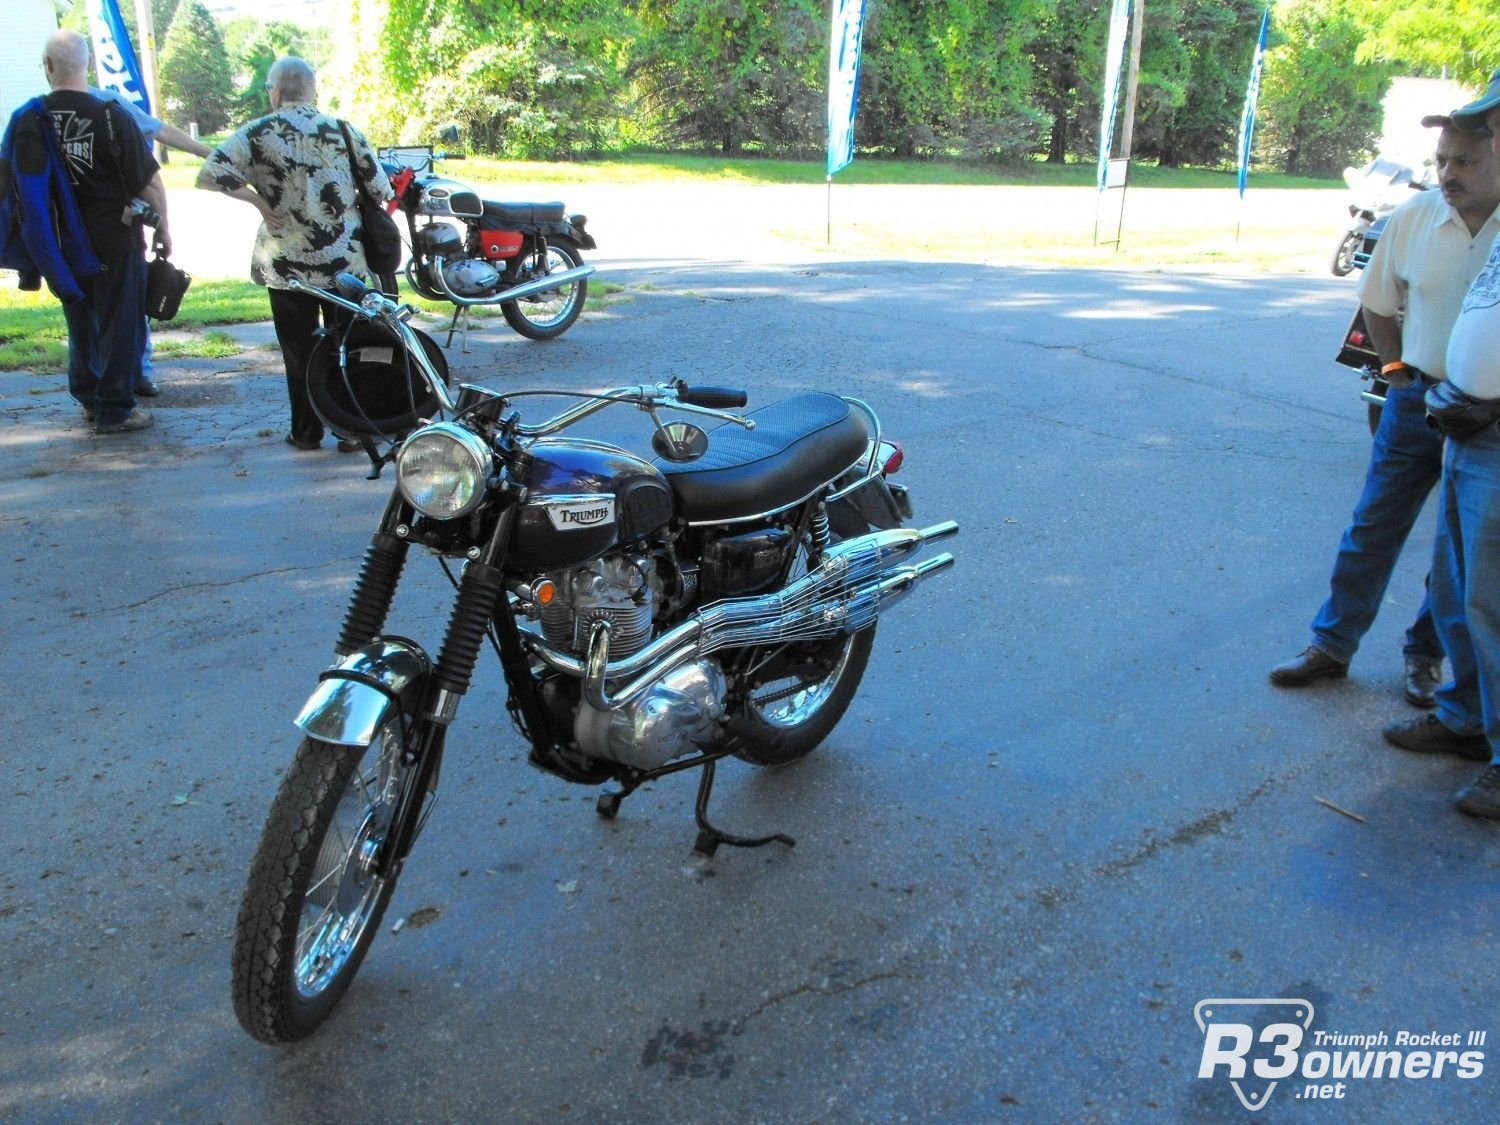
x=1466, y=555
x=1433, y=246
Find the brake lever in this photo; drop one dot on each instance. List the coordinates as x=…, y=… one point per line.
x=667, y=396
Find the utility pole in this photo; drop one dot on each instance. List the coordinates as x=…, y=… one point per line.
x=1127, y=131
x=146, y=31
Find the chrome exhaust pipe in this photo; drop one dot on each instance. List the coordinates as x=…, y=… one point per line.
x=525, y=289
x=845, y=593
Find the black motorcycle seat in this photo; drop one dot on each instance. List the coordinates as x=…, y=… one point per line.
x=797, y=445
x=523, y=214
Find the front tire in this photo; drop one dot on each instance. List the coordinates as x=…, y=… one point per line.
x=313, y=904
x=1343, y=258
x=551, y=313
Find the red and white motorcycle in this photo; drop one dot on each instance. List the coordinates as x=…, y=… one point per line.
x=473, y=251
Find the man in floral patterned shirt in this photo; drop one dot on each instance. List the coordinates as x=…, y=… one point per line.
x=293, y=167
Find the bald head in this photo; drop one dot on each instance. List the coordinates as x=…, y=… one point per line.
x=293, y=81
x=66, y=60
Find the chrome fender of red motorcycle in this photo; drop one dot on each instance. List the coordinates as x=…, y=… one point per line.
x=360, y=693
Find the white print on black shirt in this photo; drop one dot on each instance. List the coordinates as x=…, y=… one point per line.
x=77, y=136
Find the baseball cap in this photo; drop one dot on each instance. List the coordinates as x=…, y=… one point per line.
x=1470, y=118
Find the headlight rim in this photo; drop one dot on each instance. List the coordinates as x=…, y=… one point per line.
x=471, y=445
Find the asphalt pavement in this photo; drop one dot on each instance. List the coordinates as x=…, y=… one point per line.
x=1065, y=807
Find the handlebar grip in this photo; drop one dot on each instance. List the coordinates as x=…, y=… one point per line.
x=715, y=398
x=448, y=156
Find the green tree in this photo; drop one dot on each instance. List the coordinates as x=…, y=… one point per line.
x=525, y=78
x=730, y=73
x=1200, y=63
x=1461, y=37
x=1068, y=74
x=951, y=77
x=1319, y=108
x=194, y=70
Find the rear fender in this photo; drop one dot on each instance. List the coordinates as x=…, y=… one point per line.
x=876, y=505
x=353, y=699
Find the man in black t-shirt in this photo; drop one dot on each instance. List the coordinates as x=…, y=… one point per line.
x=110, y=168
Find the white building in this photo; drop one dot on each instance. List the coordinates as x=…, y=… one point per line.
x=27, y=24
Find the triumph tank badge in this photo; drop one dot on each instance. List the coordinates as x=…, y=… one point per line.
x=571, y=515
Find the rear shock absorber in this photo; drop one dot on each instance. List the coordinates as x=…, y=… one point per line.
x=818, y=531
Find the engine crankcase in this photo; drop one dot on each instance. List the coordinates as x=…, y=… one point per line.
x=674, y=717
x=471, y=277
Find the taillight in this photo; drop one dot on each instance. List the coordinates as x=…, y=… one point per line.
x=893, y=456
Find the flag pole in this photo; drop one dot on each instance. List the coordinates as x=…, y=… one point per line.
x=830, y=211
x=146, y=27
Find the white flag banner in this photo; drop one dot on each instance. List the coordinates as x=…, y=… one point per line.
x=1114, y=60
x=1252, y=99
x=843, y=80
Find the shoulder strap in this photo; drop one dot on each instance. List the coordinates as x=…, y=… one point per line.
x=359, y=183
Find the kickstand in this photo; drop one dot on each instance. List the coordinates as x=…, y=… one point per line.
x=608, y=804
x=459, y=310
x=709, y=837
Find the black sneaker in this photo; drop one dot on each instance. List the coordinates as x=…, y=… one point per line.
x=136, y=420
x=1428, y=735
x=1481, y=797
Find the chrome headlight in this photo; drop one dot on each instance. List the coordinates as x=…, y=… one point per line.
x=442, y=470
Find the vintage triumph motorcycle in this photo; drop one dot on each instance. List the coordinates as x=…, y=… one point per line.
x=649, y=615
x=473, y=251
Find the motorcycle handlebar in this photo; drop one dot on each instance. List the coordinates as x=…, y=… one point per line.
x=716, y=398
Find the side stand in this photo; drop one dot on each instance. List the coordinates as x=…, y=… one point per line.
x=453, y=326
x=709, y=837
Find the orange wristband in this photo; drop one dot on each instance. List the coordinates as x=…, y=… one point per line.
x=1389, y=367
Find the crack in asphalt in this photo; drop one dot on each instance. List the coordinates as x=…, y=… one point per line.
x=228, y=582
x=827, y=987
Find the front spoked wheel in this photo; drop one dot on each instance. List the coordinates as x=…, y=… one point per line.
x=546, y=315
x=314, y=900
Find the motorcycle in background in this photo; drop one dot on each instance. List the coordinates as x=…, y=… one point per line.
x=1377, y=189
x=472, y=251
x=649, y=616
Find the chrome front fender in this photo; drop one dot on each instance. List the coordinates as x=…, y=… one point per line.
x=355, y=697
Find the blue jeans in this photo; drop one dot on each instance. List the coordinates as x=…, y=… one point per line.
x=105, y=332
x=1466, y=585
x=1405, y=462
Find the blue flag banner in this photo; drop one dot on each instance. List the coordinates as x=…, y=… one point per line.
x=1252, y=97
x=843, y=80
x=1114, y=69
x=114, y=57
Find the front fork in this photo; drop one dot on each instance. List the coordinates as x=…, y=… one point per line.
x=480, y=590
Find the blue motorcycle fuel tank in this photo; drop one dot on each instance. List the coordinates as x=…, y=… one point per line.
x=584, y=499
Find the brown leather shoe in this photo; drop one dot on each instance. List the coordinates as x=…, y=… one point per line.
x=1429, y=735
x=1424, y=676
x=1312, y=663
